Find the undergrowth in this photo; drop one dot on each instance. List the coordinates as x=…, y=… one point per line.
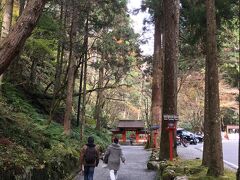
x=193, y=170
x=27, y=141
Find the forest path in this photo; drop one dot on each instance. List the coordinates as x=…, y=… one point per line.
x=135, y=167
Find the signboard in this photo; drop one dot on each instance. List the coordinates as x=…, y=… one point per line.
x=170, y=117
x=154, y=127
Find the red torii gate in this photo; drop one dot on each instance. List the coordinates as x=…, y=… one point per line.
x=130, y=125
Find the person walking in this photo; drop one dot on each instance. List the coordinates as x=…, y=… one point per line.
x=89, y=159
x=131, y=141
x=114, y=154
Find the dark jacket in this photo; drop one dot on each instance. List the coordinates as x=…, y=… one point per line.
x=114, y=153
x=82, y=154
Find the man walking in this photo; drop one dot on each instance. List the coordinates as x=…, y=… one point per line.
x=114, y=154
x=89, y=158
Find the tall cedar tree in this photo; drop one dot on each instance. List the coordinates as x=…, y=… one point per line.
x=12, y=44
x=71, y=69
x=157, y=81
x=215, y=167
x=171, y=36
x=85, y=68
x=100, y=98
x=206, y=145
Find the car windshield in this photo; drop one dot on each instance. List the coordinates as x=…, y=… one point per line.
x=186, y=133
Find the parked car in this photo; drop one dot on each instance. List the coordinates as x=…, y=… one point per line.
x=199, y=137
x=187, y=135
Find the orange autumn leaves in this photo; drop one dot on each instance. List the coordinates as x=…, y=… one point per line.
x=122, y=42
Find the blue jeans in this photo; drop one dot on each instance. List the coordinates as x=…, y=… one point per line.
x=88, y=172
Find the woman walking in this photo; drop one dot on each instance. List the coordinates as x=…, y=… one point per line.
x=114, y=154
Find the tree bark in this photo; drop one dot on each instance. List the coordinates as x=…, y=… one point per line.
x=12, y=44
x=171, y=36
x=58, y=70
x=100, y=99
x=80, y=93
x=71, y=70
x=157, y=80
x=6, y=23
x=21, y=6
x=206, y=150
x=59, y=66
x=7, y=18
x=83, y=114
x=216, y=155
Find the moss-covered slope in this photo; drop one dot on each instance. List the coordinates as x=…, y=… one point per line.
x=30, y=148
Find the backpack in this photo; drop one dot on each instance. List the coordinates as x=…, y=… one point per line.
x=90, y=155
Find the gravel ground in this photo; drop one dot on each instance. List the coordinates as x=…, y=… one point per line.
x=135, y=167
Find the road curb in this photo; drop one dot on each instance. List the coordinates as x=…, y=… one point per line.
x=231, y=165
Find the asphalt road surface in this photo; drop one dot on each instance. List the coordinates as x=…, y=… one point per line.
x=135, y=167
x=230, y=152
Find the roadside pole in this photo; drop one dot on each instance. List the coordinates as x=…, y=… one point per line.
x=238, y=171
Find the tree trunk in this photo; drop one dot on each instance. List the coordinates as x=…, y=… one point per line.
x=14, y=72
x=146, y=111
x=206, y=144
x=171, y=21
x=21, y=6
x=71, y=70
x=7, y=18
x=58, y=70
x=157, y=81
x=80, y=93
x=83, y=114
x=216, y=154
x=12, y=44
x=100, y=99
x=59, y=66
x=6, y=23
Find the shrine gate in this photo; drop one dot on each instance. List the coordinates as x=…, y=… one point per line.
x=131, y=125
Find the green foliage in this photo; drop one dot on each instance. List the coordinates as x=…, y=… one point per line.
x=118, y=43
x=193, y=32
x=47, y=23
x=27, y=141
x=193, y=170
x=104, y=13
x=16, y=101
x=17, y=153
x=186, y=125
x=102, y=138
x=47, y=27
x=229, y=116
x=39, y=48
x=231, y=73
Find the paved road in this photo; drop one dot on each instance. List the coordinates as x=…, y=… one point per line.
x=230, y=152
x=190, y=152
x=135, y=167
